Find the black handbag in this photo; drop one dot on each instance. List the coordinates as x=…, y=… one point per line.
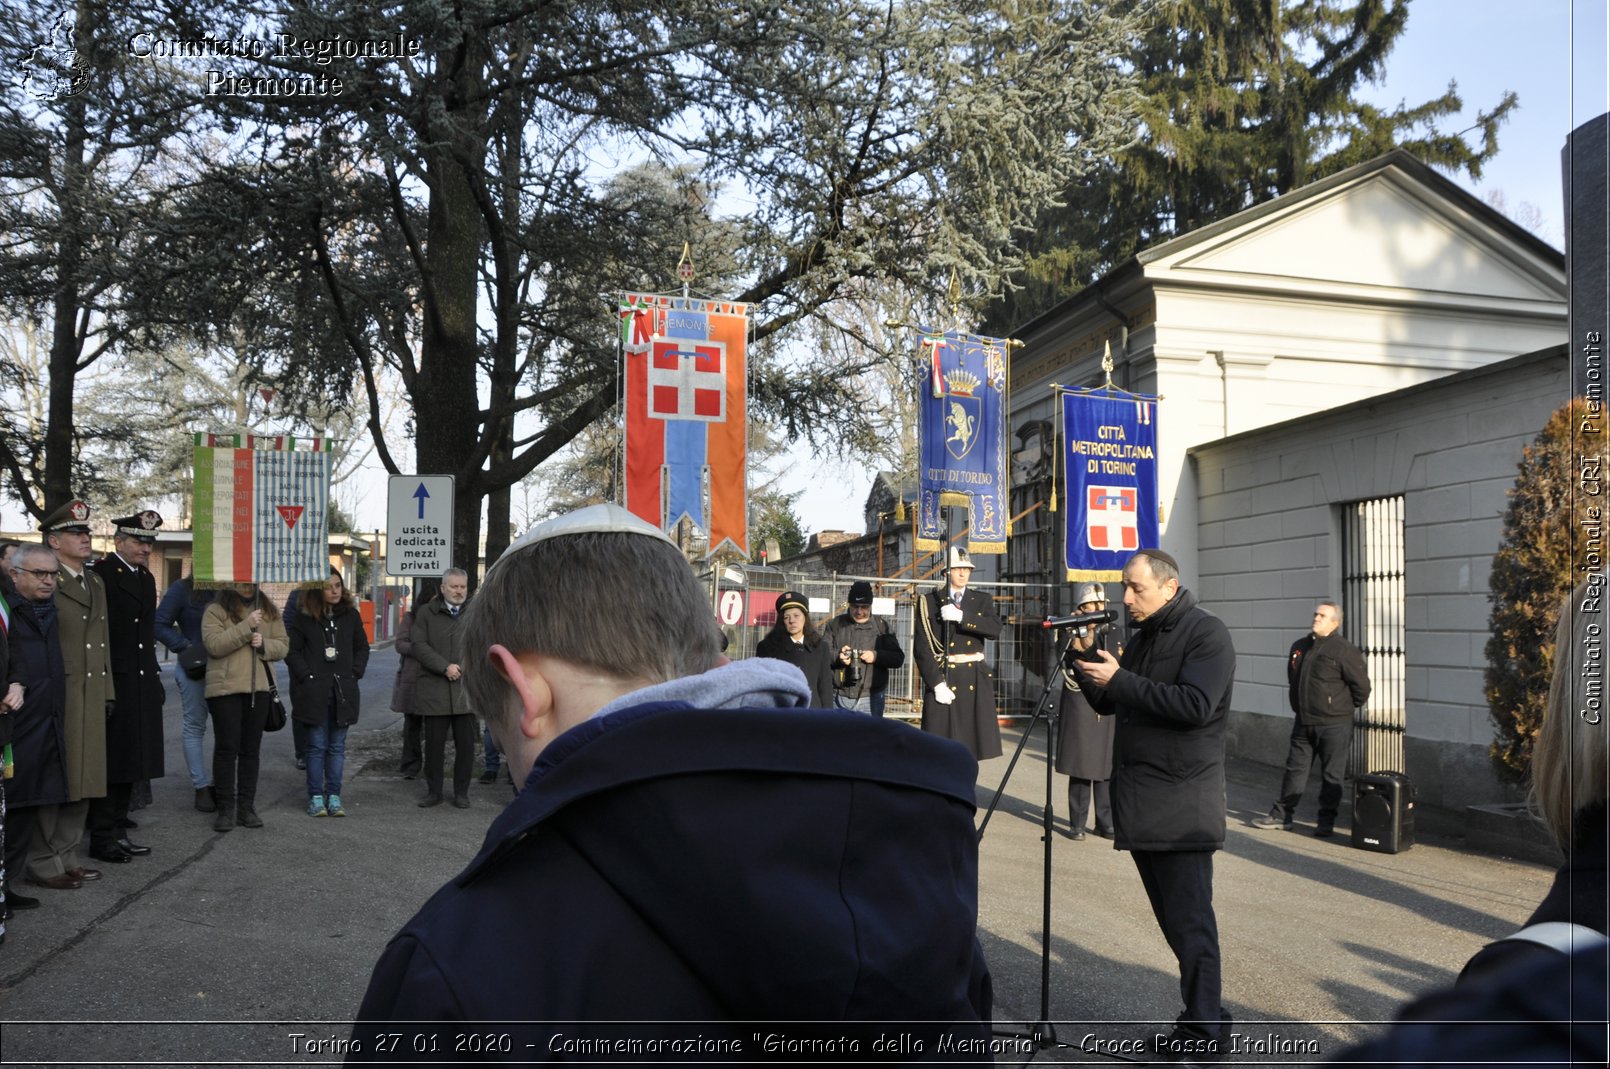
x=276, y=708
x=193, y=661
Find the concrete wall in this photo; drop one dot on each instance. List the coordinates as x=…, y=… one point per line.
x=1268, y=529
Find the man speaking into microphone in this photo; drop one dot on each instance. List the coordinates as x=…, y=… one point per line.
x=1171, y=696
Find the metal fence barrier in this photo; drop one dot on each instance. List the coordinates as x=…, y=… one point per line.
x=744, y=599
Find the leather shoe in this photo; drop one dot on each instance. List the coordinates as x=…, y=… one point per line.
x=59, y=882
x=1104, y=833
x=1077, y=834
x=20, y=901
x=206, y=800
x=87, y=875
x=430, y=800
x=134, y=849
x=460, y=802
x=113, y=855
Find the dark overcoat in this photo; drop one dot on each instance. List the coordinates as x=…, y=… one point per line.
x=970, y=719
x=855, y=899
x=402, y=688
x=1084, y=739
x=811, y=658
x=38, y=744
x=81, y=616
x=314, y=679
x=134, y=749
x=1171, y=696
x=437, y=641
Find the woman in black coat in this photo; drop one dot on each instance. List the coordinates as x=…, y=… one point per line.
x=793, y=639
x=328, y=654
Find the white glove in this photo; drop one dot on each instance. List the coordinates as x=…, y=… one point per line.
x=943, y=694
x=952, y=612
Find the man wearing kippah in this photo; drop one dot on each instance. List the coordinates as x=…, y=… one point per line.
x=1171, y=696
x=692, y=849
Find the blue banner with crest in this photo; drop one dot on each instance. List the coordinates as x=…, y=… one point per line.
x=962, y=439
x=1109, y=464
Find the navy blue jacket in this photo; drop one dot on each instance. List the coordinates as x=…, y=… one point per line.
x=1172, y=700
x=665, y=864
x=179, y=613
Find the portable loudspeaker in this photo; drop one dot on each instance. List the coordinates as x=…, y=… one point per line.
x=1383, y=812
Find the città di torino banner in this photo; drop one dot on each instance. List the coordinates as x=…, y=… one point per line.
x=1109, y=464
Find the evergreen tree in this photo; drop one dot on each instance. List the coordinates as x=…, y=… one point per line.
x=1244, y=100
x=1538, y=563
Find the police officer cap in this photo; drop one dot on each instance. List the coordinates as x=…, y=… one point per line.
x=958, y=558
x=594, y=519
x=72, y=517
x=141, y=526
x=1088, y=592
x=860, y=593
x=792, y=599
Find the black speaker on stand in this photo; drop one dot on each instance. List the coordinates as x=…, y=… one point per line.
x=1383, y=812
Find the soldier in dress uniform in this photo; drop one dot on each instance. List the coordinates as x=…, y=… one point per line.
x=81, y=621
x=959, y=699
x=134, y=730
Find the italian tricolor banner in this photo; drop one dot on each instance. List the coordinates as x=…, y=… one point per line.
x=261, y=509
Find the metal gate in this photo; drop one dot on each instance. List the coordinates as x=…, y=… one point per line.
x=744, y=599
x=1373, y=618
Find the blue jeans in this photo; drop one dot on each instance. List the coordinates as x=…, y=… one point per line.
x=494, y=756
x=193, y=697
x=848, y=700
x=326, y=756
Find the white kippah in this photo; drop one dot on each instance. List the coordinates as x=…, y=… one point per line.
x=607, y=518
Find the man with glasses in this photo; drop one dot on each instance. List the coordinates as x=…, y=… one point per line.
x=864, y=650
x=35, y=701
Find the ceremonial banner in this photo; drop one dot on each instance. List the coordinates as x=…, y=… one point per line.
x=261, y=509
x=1109, y=460
x=961, y=436
x=687, y=413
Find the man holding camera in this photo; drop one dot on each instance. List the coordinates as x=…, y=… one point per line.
x=691, y=848
x=959, y=702
x=1171, y=696
x=864, y=649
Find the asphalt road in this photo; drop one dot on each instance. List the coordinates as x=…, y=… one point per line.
x=255, y=946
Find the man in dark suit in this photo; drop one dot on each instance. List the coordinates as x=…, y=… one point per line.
x=1171, y=695
x=958, y=701
x=81, y=616
x=134, y=730
x=1327, y=679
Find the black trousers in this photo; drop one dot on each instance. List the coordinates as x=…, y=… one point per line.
x=1079, y=793
x=1329, y=745
x=436, y=728
x=104, y=814
x=237, y=725
x=16, y=828
x=412, y=755
x=1180, y=887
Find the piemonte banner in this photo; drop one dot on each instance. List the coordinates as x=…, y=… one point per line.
x=1109, y=461
x=962, y=438
x=261, y=509
x=686, y=413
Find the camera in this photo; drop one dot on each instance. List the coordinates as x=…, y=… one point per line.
x=852, y=671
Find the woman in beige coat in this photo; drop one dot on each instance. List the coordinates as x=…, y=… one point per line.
x=243, y=633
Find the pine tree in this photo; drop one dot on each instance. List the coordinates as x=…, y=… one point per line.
x=1533, y=572
x=1243, y=100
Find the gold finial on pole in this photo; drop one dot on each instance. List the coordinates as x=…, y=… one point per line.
x=954, y=292
x=684, y=268
x=1106, y=364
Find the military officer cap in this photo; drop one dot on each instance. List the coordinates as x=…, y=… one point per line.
x=792, y=599
x=141, y=526
x=72, y=518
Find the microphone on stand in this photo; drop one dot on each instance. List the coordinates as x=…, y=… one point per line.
x=1080, y=619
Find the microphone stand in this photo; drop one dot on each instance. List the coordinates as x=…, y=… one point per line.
x=1044, y=1033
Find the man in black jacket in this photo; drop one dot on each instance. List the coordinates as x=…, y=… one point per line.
x=1171, y=695
x=1327, y=680
x=863, y=650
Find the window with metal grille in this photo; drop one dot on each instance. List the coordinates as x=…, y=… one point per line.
x=1373, y=614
